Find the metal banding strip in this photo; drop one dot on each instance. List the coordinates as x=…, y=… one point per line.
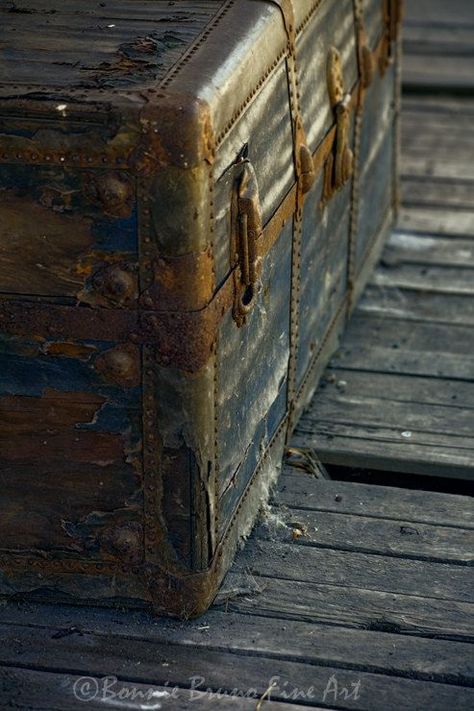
x=354, y=215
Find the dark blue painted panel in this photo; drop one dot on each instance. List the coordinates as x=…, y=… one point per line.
x=253, y=365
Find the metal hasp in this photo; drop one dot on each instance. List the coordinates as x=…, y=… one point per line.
x=340, y=162
x=247, y=233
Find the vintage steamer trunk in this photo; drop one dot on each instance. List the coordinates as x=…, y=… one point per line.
x=191, y=197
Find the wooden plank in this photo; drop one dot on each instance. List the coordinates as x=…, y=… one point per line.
x=377, y=448
x=342, y=386
x=223, y=672
x=369, y=535
x=394, y=346
x=405, y=247
x=450, y=280
x=430, y=192
x=350, y=607
x=454, y=107
x=417, y=305
x=436, y=72
x=432, y=164
x=429, y=39
x=257, y=636
x=437, y=220
x=359, y=570
x=394, y=422
x=431, y=12
x=300, y=491
x=54, y=691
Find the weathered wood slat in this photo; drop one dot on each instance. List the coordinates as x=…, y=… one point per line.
x=426, y=278
x=437, y=220
x=393, y=422
x=226, y=672
x=393, y=346
x=360, y=570
x=304, y=492
x=410, y=248
x=438, y=73
x=427, y=192
x=398, y=388
x=366, y=448
x=259, y=636
x=417, y=305
x=48, y=691
x=351, y=607
x=370, y=535
x=438, y=12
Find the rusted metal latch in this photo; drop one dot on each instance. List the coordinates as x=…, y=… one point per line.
x=392, y=20
x=339, y=165
x=248, y=231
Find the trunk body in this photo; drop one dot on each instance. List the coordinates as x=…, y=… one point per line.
x=191, y=199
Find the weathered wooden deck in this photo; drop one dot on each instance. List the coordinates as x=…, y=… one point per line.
x=347, y=595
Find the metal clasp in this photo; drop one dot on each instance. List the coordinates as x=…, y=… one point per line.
x=247, y=234
x=339, y=165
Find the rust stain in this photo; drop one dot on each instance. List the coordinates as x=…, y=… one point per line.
x=181, y=283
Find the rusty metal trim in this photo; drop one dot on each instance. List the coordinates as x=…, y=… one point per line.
x=197, y=44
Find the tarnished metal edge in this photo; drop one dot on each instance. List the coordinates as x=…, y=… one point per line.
x=270, y=69
x=197, y=44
